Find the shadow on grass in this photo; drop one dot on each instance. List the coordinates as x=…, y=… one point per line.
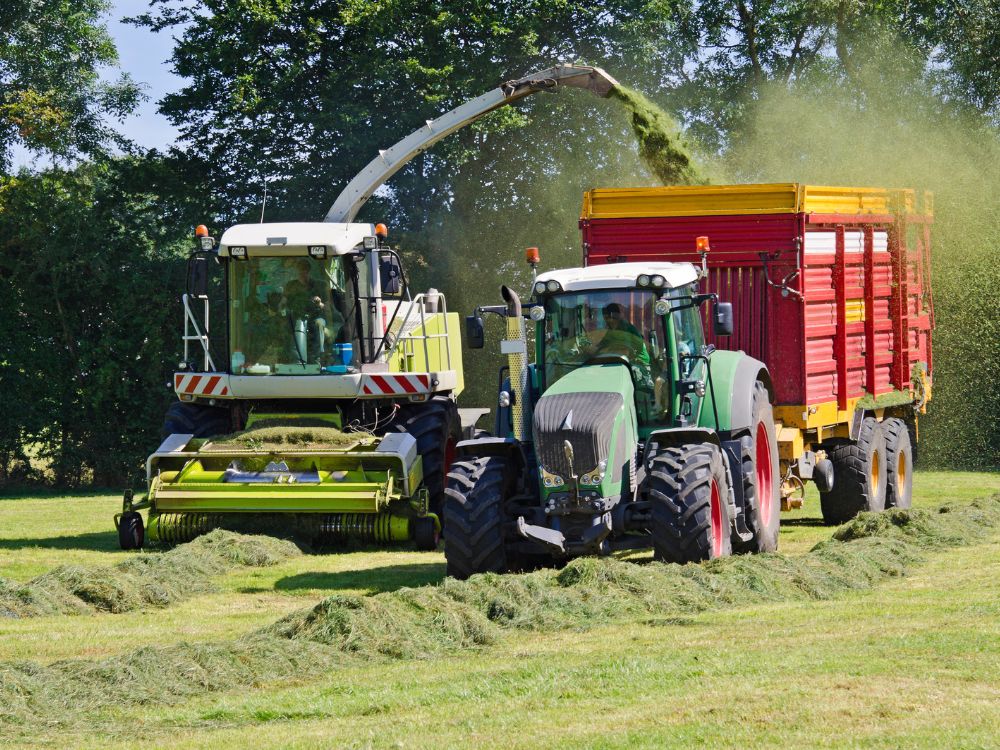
x=13, y=492
x=101, y=541
x=375, y=580
x=813, y=522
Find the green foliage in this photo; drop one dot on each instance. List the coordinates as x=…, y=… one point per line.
x=90, y=273
x=52, y=100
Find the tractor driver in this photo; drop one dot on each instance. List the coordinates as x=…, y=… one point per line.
x=307, y=308
x=622, y=337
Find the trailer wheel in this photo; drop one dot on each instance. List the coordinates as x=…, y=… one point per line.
x=688, y=489
x=761, y=484
x=474, y=517
x=437, y=429
x=899, y=464
x=131, y=533
x=859, y=475
x=195, y=419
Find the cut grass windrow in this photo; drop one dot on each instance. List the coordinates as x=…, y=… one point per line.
x=441, y=619
x=143, y=580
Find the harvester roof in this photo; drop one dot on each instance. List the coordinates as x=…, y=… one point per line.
x=620, y=275
x=294, y=238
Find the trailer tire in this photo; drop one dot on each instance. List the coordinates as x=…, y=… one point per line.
x=131, y=534
x=859, y=475
x=760, y=477
x=425, y=534
x=474, y=516
x=195, y=419
x=437, y=429
x=687, y=487
x=899, y=464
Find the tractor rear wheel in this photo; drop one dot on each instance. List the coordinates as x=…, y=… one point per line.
x=437, y=429
x=474, y=517
x=859, y=475
x=761, y=483
x=195, y=419
x=689, y=490
x=131, y=534
x=899, y=464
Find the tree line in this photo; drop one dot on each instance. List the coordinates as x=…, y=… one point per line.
x=298, y=95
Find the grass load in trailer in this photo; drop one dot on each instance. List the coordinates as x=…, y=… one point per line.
x=831, y=290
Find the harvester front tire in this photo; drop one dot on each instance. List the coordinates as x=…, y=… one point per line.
x=474, y=517
x=859, y=475
x=688, y=488
x=899, y=464
x=195, y=419
x=437, y=429
x=425, y=534
x=760, y=477
x=131, y=533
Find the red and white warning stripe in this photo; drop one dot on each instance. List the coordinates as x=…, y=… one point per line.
x=395, y=385
x=204, y=384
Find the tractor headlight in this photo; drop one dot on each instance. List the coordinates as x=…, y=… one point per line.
x=643, y=280
x=539, y=287
x=699, y=387
x=238, y=251
x=662, y=307
x=658, y=281
x=504, y=400
x=553, y=286
x=317, y=251
x=207, y=243
x=537, y=313
x=370, y=243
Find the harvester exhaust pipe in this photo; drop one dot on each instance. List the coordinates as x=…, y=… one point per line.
x=516, y=349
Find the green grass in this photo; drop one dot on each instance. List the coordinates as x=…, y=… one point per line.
x=906, y=664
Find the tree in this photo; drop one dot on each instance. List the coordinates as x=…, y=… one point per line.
x=52, y=100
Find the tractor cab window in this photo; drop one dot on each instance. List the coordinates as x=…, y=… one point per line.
x=688, y=336
x=290, y=315
x=591, y=327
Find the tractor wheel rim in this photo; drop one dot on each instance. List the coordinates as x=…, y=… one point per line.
x=716, y=508
x=875, y=474
x=765, y=481
x=901, y=472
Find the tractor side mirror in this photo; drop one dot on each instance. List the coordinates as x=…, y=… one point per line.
x=723, y=319
x=197, y=275
x=475, y=332
x=391, y=275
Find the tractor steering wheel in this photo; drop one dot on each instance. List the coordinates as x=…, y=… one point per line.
x=607, y=358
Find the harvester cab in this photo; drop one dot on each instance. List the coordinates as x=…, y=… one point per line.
x=332, y=410
x=626, y=430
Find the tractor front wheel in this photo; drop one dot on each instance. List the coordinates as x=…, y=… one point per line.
x=859, y=475
x=195, y=419
x=474, y=517
x=688, y=488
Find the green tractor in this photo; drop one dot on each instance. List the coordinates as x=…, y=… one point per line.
x=626, y=432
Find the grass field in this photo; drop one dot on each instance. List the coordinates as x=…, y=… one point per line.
x=913, y=662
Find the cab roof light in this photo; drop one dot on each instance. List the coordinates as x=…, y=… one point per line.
x=532, y=256
x=381, y=230
x=701, y=244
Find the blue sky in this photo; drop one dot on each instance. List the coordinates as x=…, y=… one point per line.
x=145, y=56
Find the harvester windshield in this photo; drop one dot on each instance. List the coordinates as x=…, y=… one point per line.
x=291, y=315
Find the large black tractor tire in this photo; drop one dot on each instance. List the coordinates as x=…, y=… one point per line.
x=131, y=533
x=689, y=491
x=899, y=464
x=474, y=517
x=437, y=429
x=760, y=477
x=195, y=419
x=859, y=475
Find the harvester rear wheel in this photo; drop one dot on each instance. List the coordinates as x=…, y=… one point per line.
x=437, y=429
x=195, y=419
x=899, y=464
x=425, y=534
x=859, y=475
x=688, y=488
x=761, y=485
x=474, y=517
x=131, y=534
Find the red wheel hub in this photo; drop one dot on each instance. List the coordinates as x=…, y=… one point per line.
x=716, y=520
x=765, y=479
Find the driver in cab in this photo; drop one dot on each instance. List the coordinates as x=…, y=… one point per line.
x=621, y=337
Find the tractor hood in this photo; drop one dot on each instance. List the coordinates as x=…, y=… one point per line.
x=593, y=408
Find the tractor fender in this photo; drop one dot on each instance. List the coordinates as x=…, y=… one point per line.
x=508, y=448
x=734, y=375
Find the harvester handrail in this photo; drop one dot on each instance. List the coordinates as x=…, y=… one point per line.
x=410, y=338
x=208, y=365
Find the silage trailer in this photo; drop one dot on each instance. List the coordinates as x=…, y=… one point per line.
x=831, y=290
